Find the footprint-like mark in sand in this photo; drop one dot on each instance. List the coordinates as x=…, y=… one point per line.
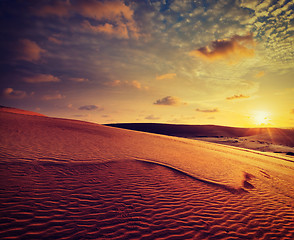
x=247, y=178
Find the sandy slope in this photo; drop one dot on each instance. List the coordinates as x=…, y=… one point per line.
x=75, y=180
x=19, y=111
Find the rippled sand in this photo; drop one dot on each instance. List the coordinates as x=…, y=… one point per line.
x=65, y=179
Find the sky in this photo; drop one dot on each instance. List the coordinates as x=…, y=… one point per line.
x=217, y=62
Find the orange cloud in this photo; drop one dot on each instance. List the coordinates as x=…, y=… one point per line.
x=41, y=78
x=114, y=83
x=28, y=50
x=166, y=76
x=259, y=74
x=134, y=84
x=169, y=101
x=14, y=94
x=207, y=110
x=120, y=31
x=231, y=49
x=79, y=79
x=104, y=10
x=118, y=16
x=54, y=40
x=237, y=97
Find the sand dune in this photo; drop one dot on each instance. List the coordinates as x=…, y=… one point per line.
x=262, y=139
x=66, y=179
x=19, y=111
x=188, y=130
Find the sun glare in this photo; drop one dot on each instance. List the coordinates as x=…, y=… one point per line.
x=261, y=117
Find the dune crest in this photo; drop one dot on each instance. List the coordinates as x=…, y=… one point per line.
x=19, y=111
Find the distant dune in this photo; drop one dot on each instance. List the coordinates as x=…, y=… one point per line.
x=69, y=179
x=270, y=135
x=188, y=131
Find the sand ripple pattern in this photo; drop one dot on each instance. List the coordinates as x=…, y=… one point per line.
x=132, y=200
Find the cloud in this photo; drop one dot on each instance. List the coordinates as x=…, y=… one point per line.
x=237, y=97
x=14, y=94
x=53, y=97
x=117, y=17
x=79, y=79
x=114, y=83
x=214, y=110
x=28, y=50
x=103, y=10
x=56, y=8
x=169, y=101
x=120, y=22
x=90, y=107
x=152, y=117
x=54, y=40
x=41, y=78
x=134, y=84
x=259, y=74
x=231, y=49
x=120, y=31
x=248, y=3
x=166, y=76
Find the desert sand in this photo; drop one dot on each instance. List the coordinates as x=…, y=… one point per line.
x=67, y=179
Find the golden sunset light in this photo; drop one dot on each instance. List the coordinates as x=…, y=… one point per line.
x=146, y=119
x=261, y=117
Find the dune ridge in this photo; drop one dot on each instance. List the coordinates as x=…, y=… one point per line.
x=242, y=189
x=219, y=133
x=67, y=179
x=19, y=111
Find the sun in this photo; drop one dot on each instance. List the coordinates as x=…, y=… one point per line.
x=261, y=117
